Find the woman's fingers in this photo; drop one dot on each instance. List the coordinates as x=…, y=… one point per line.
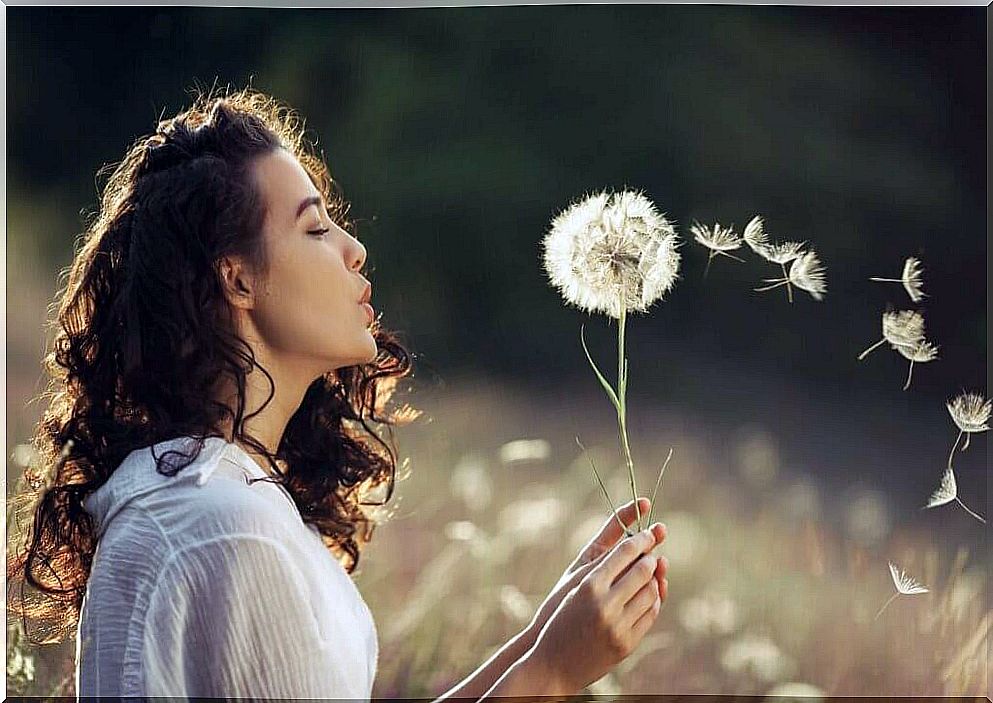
x=645, y=620
x=611, y=531
x=641, y=601
x=624, y=555
x=661, y=569
x=641, y=574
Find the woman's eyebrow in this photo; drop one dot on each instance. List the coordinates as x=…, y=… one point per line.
x=307, y=202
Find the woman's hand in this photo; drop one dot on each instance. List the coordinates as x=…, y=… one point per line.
x=600, y=544
x=603, y=619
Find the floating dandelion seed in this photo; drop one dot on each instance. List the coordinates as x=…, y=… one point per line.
x=970, y=412
x=919, y=354
x=783, y=253
x=911, y=279
x=718, y=240
x=613, y=253
x=947, y=492
x=780, y=253
x=755, y=236
x=806, y=273
x=902, y=328
x=904, y=586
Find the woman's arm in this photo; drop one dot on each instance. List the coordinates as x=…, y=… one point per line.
x=506, y=658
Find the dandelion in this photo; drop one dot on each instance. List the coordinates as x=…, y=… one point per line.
x=911, y=279
x=920, y=353
x=718, y=240
x=902, y=328
x=613, y=253
x=905, y=586
x=947, y=492
x=806, y=273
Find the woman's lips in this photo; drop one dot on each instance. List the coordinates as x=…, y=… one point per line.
x=370, y=313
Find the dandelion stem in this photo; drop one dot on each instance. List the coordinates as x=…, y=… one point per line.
x=730, y=256
x=968, y=436
x=887, y=280
x=781, y=283
x=966, y=508
x=603, y=489
x=603, y=381
x=622, y=410
x=658, y=482
x=952, y=453
x=789, y=289
x=909, y=374
x=884, y=606
x=707, y=267
x=866, y=352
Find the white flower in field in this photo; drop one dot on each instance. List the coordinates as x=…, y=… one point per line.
x=461, y=531
x=905, y=585
x=515, y=604
x=867, y=517
x=911, y=279
x=755, y=236
x=920, y=353
x=712, y=613
x=901, y=328
x=21, y=665
x=947, y=491
x=806, y=273
x=525, y=450
x=795, y=692
x=757, y=655
x=719, y=240
x=529, y=519
x=612, y=251
x=471, y=482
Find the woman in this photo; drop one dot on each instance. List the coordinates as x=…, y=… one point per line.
x=195, y=546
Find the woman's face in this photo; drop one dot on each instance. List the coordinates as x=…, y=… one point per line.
x=308, y=311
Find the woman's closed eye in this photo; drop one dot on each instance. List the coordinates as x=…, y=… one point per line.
x=319, y=232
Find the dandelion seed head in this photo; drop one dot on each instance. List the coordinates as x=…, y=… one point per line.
x=782, y=252
x=905, y=584
x=755, y=236
x=716, y=238
x=970, y=412
x=911, y=277
x=807, y=273
x=946, y=492
x=611, y=252
x=920, y=353
x=903, y=328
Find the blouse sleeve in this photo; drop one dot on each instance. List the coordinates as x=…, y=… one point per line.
x=231, y=618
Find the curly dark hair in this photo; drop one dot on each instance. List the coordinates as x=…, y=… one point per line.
x=144, y=335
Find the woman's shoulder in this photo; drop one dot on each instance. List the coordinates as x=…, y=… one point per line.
x=216, y=497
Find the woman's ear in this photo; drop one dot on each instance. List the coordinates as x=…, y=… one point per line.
x=236, y=282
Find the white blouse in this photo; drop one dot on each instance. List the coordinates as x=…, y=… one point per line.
x=205, y=586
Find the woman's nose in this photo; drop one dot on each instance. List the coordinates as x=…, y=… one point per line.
x=358, y=253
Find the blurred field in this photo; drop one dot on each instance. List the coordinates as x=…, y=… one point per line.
x=771, y=579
